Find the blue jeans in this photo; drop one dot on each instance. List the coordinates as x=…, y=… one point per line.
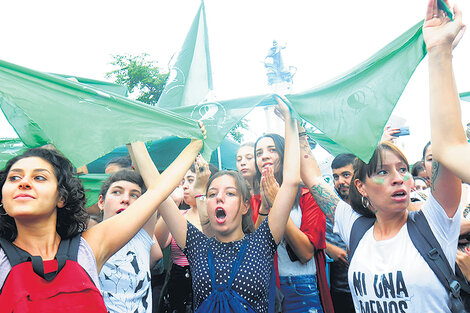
x=300, y=294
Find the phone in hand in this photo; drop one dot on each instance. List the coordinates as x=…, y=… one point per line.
x=404, y=131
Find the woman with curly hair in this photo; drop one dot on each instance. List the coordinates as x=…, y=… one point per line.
x=43, y=204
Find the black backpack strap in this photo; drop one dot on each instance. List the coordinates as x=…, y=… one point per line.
x=427, y=245
x=68, y=250
x=359, y=228
x=14, y=254
x=464, y=285
x=72, y=249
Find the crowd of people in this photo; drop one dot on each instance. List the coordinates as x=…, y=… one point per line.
x=196, y=239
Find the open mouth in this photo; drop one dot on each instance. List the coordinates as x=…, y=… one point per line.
x=119, y=211
x=220, y=215
x=399, y=195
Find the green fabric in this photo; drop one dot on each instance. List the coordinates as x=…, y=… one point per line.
x=82, y=122
x=221, y=116
x=98, y=84
x=9, y=148
x=190, y=77
x=465, y=96
x=353, y=109
x=350, y=111
x=329, y=145
x=85, y=123
x=92, y=185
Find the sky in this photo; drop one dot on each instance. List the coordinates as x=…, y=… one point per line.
x=323, y=40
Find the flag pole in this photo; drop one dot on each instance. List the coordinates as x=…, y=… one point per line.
x=219, y=158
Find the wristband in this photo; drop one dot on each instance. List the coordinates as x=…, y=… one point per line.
x=301, y=134
x=200, y=196
x=263, y=214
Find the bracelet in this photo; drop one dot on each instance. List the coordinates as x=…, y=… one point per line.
x=200, y=196
x=263, y=214
x=301, y=134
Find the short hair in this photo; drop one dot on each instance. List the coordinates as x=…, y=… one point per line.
x=242, y=187
x=363, y=170
x=124, y=162
x=125, y=175
x=342, y=160
x=417, y=168
x=72, y=217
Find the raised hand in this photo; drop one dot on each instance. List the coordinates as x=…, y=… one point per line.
x=202, y=175
x=282, y=110
x=268, y=187
x=439, y=30
x=388, y=134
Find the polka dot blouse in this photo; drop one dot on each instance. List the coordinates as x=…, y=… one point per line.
x=252, y=279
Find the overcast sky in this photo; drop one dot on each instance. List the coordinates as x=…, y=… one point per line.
x=324, y=39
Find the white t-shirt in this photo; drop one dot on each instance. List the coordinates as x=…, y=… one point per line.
x=125, y=277
x=286, y=266
x=390, y=275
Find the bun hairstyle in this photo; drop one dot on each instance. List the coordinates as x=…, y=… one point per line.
x=364, y=170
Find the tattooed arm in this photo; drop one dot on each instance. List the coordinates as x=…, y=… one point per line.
x=310, y=174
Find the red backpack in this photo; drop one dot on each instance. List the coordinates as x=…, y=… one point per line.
x=28, y=288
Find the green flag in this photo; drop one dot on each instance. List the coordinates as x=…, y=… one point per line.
x=329, y=145
x=82, y=122
x=221, y=116
x=465, y=96
x=190, y=77
x=9, y=148
x=353, y=109
x=98, y=84
x=92, y=185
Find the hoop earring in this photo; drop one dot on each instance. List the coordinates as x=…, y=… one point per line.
x=365, y=202
x=1, y=207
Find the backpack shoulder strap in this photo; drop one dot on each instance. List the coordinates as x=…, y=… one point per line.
x=68, y=250
x=14, y=255
x=427, y=245
x=71, y=249
x=359, y=228
x=235, y=265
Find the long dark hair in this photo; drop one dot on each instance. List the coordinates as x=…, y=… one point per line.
x=280, y=144
x=242, y=187
x=363, y=170
x=72, y=218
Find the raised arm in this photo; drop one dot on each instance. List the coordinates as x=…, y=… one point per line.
x=148, y=171
x=449, y=146
x=110, y=235
x=449, y=143
x=284, y=200
x=203, y=174
x=310, y=173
